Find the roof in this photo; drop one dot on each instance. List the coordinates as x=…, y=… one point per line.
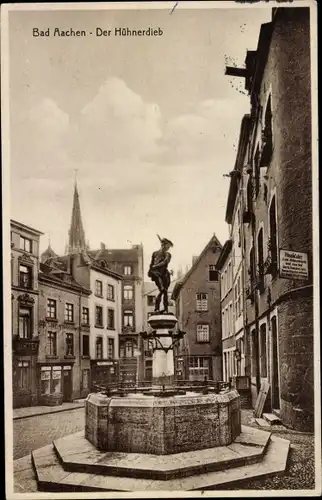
x=239, y=163
x=25, y=227
x=76, y=234
x=53, y=274
x=124, y=255
x=87, y=260
x=225, y=251
x=214, y=242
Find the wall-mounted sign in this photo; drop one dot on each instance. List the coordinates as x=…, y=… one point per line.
x=104, y=363
x=294, y=265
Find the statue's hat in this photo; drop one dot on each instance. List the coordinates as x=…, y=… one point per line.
x=165, y=240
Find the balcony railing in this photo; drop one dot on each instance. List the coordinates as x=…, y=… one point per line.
x=25, y=347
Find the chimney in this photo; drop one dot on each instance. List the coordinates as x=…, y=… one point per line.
x=102, y=246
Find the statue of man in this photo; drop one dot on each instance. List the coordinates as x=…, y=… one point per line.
x=159, y=274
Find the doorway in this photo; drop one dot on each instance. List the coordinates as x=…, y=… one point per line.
x=275, y=381
x=67, y=385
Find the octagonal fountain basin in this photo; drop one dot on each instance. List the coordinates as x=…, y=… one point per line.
x=139, y=423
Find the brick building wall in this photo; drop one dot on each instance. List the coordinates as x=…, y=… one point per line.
x=196, y=282
x=285, y=86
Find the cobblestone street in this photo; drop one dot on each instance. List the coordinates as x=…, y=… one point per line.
x=35, y=432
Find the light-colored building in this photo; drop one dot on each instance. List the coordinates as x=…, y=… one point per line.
x=64, y=337
x=24, y=301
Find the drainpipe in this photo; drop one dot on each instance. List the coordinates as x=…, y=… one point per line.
x=80, y=339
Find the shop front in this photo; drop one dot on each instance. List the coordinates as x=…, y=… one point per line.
x=55, y=384
x=104, y=372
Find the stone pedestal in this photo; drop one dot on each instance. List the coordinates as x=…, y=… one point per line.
x=162, y=425
x=163, y=363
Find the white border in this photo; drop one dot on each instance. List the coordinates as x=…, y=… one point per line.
x=5, y=8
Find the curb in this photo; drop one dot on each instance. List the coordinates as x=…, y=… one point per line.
x=37, y=414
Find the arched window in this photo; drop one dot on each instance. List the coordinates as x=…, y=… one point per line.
x=273, y=236
x=260, y=255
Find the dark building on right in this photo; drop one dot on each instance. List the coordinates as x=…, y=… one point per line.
x=275, y=180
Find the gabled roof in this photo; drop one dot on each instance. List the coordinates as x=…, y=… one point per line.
x=213, y=243
x=53, y=274
x=225, y=251
x=122, y=255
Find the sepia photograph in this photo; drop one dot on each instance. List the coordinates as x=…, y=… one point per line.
x=160, y=223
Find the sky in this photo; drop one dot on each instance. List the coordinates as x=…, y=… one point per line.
x=149, y=124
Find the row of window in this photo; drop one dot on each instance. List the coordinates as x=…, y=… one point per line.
x=51, y=347
x=226, y=280
x=227, y=315
x=110, y=295
x=69, y=312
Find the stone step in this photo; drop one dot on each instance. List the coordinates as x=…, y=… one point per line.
x=77, y=454
x=272, y=419
x=262, y=423
x=51, y=476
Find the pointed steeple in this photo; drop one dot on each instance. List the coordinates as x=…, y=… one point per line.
x=76, y=241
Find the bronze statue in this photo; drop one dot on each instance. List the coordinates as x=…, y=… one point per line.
x=159, y=274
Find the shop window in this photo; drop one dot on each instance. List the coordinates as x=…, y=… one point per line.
x=50, y=379
x=213, y=273
x=25, y=276
x=51, y=309
x=85, y=316
x=25, y=325
x=128, y=292
x=69, y=312
x=85, y=346
x=25, y=244
x=99, y=316
x=111, y=319
x=202, y=302
x=99, y=348
x=202, y=333
x=52, y=344
x=198, y=368
x=263, y=351
x=69, y=344
x=23, y=375
x=110, y=349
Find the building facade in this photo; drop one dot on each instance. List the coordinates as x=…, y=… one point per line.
x=24, y=300
x=277, y=217
x=63, y=368
x=197, y=297
x=128, y=263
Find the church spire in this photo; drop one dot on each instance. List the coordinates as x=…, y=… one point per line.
x=76, y=242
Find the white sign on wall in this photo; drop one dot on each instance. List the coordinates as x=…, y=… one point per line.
x=294, y=265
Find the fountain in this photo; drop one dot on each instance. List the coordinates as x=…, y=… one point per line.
x=166, y=437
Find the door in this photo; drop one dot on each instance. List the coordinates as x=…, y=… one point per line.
x=275, y=381
x=67, y=385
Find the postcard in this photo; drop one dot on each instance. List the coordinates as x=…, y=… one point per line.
x=160, y=249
